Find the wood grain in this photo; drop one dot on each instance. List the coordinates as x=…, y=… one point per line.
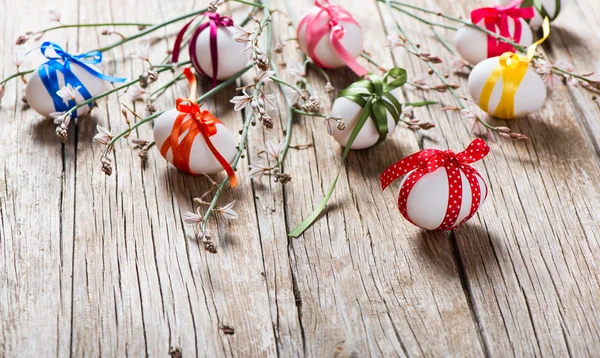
x=105, y=266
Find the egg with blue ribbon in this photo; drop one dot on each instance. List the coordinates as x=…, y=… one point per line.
x=77, y=72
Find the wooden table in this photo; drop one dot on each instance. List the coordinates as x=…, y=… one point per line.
x=104, y=266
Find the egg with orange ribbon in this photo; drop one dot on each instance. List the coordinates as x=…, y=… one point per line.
x=194, y=140
x=331, y=37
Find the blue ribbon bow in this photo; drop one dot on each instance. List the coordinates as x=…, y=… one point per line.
x=48, y=73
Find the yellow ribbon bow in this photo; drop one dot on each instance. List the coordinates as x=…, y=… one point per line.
x=512, y=69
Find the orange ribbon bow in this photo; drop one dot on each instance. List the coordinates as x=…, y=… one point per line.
x=201, y=122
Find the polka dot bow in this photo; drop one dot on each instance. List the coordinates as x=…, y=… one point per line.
x=428, y=161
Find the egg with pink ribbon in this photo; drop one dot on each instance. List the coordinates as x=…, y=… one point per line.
x=440, y=189
x=509, y=21
x=213, y=50
x=546, y=8
x=331, y=37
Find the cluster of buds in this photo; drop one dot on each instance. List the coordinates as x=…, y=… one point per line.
x=106, y=165
x=62, y=131
x=339, y=123
x=312, y=104
x=147, y=78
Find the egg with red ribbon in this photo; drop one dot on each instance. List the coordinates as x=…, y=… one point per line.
x=213, y=50
x=440, y=189
x=331, y=37
x=509, y=21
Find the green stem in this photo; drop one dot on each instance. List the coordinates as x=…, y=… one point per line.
x=18, y=74
x=308, y=114
x=371, y=60
x=281, y=81
x=249, y=3
x=424, y=20
x=151, y=29
x=89, y=25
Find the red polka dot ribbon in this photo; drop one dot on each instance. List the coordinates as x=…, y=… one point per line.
x=202, y=122
x=214, y=21
x=497, y=18
x=428, y=161
x=329, y=21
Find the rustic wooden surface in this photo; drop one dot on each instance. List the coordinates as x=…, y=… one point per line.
x=104, y=266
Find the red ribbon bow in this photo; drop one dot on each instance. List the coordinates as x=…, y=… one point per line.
x=315, y=31
x=214, y=21
x=497, y=16
x=202, y=122
x=428, y=161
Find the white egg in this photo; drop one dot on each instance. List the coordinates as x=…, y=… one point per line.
x=550, y=7
x=530, y=95
x=231, y=60
x=472, y=44
x=202, y=159
x=350, y=112
x=428, y=200
x=40, y=100
x=352, y=42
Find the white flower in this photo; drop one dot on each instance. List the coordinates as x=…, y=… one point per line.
x=256, y=171
x=394, y=41
x=241, y=102
x=18, y=58
x=296, y=70
x=421, y=80
x=227, y=212
x=458, y=63
x=242, y=35
x=545, y=68
x=192, y=218
x=293, y=95
x=274, y=150
x=265, y=76
x=142, y=53
x=267, y=99
x=68, y=93
x=468, y=113
x=104, y=136
x=54, y=16
x=57, y=116
x=569, y=68
x=136, y=92
x=407, y=111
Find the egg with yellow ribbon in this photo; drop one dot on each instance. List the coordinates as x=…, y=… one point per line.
x=507, y=86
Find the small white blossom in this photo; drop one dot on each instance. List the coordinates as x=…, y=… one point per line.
x=136, y=93
x=241, y=102
x=265, y=76
x=468, y=113
x=227, y=212
x=55, y=16
x=296, y=70
x=142, y=52
x=274, y=150
x=293, y=95
x=192, y=218
x=18, y=58
x=256, y=171
x=242, y=35
x=458, y=63
x=104, y=136
x=68, y=93
x=407, y=111
x=421, y=80
x=267, y=99
x=394, y=41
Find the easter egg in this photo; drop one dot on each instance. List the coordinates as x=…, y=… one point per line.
x=529, y=97
x=549, y=8
x=350, y=112
x=229, y=54
x=322, y=50
x=42, y=101
x=472, y=44
x=434, y=194
x=201, y=158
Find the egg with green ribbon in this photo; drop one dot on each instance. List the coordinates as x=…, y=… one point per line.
x=370, y=109
x=543, y=8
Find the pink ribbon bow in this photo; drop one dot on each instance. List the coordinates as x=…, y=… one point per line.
x=497, y=16
x=428, y=161
x=214, y=21
x=329, y=21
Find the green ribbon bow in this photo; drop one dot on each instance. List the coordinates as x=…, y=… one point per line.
x=373, y=94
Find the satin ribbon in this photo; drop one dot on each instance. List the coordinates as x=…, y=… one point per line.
x=61, y=62
x=201, y=122
x=329, y=21
x=497, y=17
x=371, y=94
x=374, y=95
x=430, y=160
x=511, y=69
x=214, y=22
